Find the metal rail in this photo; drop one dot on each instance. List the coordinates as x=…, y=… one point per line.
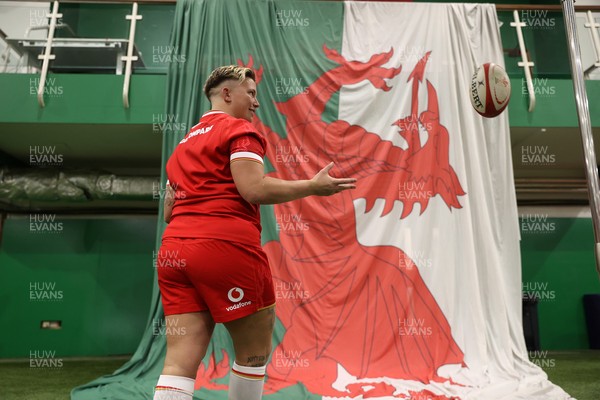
x=593, y=26
x=525, y=63
x=46, y=57
x=585, y=125
x=134, y=17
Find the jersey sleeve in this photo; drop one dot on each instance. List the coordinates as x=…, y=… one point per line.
x=246, y=147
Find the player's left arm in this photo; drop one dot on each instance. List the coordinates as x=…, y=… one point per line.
x=169, y=202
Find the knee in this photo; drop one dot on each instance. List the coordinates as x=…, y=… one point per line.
x=183, y=364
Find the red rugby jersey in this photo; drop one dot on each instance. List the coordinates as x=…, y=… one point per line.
x=207, y=203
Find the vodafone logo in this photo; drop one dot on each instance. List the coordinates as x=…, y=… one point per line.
x=235, y=294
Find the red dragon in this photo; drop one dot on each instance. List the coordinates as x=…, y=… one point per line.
x=364, y=308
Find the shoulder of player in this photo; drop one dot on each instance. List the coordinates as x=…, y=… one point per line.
x=234, y=127
x=239, y=125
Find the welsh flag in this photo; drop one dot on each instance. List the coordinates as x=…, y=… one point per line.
x=408, y=287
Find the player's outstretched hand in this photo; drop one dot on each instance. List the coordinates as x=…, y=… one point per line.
x=325, y=185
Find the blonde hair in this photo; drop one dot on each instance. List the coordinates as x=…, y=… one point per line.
x=225, y=73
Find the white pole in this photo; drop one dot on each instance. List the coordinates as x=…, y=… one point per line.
x=525, y=63
x=46, y=57
x=129, y=57
x=583, y=112
x=593, y=25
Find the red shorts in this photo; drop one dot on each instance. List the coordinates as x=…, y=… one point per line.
x=229, y=279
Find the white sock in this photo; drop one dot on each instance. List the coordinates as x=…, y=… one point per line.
x=246, y=383
x=170, y=387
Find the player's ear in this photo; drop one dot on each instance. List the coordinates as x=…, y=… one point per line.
x=226, y=94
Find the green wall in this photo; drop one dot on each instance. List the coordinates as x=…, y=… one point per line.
x=95, y=275
x=555, y=103
x=545, y=40
x=559, y=268
x=68, y=99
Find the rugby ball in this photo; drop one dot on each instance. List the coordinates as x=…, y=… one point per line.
x=490, y=90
